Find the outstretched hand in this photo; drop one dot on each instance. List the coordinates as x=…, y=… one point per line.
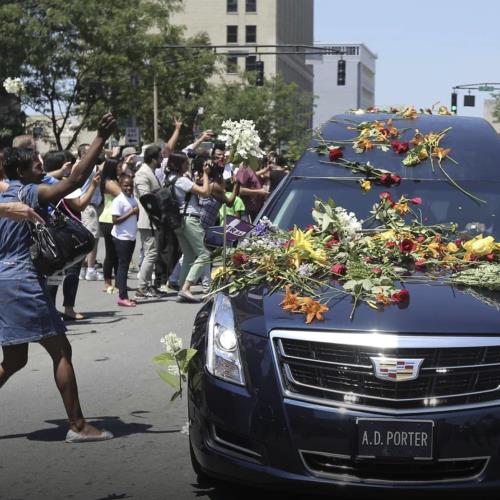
x=106, y=126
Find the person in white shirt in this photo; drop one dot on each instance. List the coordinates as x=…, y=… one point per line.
x=124, y=211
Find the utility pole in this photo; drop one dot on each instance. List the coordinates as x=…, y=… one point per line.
x=155, y=110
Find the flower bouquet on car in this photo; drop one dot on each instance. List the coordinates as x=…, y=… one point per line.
x=242, y=142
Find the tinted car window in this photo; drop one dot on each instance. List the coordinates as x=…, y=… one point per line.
x=441, y=202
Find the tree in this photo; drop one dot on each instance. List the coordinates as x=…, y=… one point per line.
x=281, y=111
x=496, y=110
x=79, y=59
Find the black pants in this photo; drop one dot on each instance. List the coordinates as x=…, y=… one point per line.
x=70, y=285
x=124, y=250
x=110, y=264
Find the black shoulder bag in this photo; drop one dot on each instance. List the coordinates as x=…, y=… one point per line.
x=62, y=241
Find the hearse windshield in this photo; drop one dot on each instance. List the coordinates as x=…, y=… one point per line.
x=441, y=202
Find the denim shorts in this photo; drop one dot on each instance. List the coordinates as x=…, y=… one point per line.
x=27, y=313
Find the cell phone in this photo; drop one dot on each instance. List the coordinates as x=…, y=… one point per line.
x=205, y=147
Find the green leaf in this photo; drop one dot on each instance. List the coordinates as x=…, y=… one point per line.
x=165, y=358
x=184, y=357
x=171, y=380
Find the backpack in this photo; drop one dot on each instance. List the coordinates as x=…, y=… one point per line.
x=162, y=207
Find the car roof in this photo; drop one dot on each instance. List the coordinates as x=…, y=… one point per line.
x=473, y=142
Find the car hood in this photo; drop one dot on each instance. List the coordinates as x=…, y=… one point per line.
x=432, y=308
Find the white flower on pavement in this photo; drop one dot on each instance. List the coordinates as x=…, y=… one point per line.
x=172, y=343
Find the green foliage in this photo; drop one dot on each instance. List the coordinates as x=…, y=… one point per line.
x=496, y=111
x=281, y=111
x=84, y=58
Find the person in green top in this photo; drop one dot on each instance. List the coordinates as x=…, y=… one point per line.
x=110, y=188
x=238, y=208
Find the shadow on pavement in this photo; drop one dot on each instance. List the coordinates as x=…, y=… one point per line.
x=113, y=424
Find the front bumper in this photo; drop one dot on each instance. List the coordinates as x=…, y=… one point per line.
x=258, y=437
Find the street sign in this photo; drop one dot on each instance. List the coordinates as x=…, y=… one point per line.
x=486, y=88
x=132, y=136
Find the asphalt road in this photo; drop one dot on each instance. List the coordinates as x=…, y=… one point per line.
x=120, y=391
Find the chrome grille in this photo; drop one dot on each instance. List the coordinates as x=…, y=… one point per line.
x=386, y=471
x=335, y=368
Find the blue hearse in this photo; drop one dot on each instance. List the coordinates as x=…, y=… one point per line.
x=278, y=403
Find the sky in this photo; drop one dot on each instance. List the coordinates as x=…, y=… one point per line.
x=424, y=47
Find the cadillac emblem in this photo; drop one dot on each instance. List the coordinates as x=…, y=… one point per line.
x=396, y=370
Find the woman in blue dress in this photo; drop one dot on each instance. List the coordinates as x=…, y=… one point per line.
x=27, y=313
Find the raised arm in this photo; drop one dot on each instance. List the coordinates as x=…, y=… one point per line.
x=55, y=192
x=172, y=142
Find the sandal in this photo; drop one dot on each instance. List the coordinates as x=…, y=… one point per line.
x=76, y=317
x=126, y=303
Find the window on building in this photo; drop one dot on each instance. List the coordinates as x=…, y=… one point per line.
x=232, y=5
x=251, y=5
x=251, y=34
x=232, y=64
x=250, y=63
x=232, y=34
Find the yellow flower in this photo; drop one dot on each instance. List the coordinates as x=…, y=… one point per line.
x=443, y=110
x=402, y=208
x=366, y=185
x=386, y=235
x=216, y=272
x=451, y=247
x=304, y=243
x=480, y=246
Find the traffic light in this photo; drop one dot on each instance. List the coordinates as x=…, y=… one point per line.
x=341, y=72
x=259, y=77
x=454, y=100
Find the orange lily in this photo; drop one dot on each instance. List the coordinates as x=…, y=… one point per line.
x=441, y=153
x=292, y=302
x=313, y=309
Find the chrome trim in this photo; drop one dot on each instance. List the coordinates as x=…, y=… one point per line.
x=233, y=446
x=386, y=340
x=349, y=478
x=460, y=367
x=293, y=381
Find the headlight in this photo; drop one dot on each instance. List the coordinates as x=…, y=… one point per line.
x=223, y=353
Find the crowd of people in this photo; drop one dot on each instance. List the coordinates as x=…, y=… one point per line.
x=102, y=188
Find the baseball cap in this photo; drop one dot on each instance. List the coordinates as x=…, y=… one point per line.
x=128, y=151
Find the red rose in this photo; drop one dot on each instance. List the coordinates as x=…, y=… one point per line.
x=490, y=257
x=377, y=271
x=240, y=258
x=459, y=243
x=396, y=179
x=400, y=147
x=331, y=243
x=339, y=269
x=401, y=296
x=416, y=201
x=406, y=246
x=390, y=244
x=385, y=180
x=421, y=238
x=335, y=154
x=420, y=264
x=386, y=196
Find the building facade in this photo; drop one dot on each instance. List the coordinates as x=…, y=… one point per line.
x=356, y=91
x=489, y=109
x=233, y=23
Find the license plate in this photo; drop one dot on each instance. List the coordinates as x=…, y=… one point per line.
x=395, y=438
